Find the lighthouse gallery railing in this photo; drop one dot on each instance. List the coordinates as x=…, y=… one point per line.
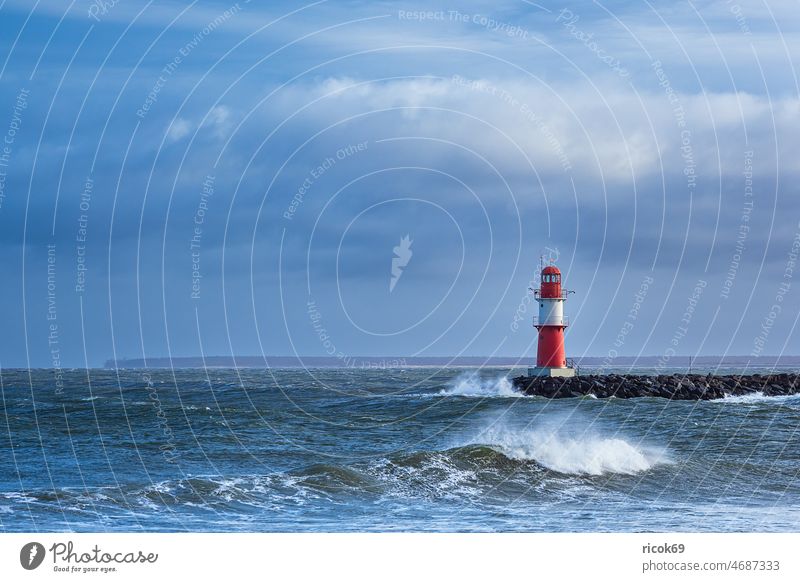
x=564, y=321
x=537, y=294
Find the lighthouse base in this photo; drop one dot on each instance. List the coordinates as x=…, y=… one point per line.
x=552, y=372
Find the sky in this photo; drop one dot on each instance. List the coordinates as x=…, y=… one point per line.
x=352, y=178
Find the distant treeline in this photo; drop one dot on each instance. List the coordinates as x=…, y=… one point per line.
x=369, y=362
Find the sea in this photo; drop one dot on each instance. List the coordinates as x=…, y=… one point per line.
x=419, y=450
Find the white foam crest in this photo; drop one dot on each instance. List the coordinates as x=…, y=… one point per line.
x=17, y=496
x=579, y=454
x=729, y=399
x=471, y=384
x=756, y=397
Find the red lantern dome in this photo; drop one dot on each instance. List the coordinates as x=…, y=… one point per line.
x=551, y=282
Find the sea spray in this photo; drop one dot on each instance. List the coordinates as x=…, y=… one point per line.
x=571, y=449
x=472, y=384
x=759, y=398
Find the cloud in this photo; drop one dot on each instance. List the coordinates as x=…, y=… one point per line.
x=219, y=120
x=179, y=129
x=589, y=130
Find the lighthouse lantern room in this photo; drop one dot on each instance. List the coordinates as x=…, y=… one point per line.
x=551, y=359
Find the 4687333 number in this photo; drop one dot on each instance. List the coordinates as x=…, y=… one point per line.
x=755, y=565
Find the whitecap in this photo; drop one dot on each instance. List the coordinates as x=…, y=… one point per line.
x=471, y=384
x=756, y=397
x=578, y=454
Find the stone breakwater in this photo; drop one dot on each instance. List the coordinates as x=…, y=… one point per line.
x=674, y=387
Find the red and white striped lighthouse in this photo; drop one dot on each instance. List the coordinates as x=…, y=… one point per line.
x=551, y=359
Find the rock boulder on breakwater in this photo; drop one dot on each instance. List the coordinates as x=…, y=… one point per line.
x=674, y=386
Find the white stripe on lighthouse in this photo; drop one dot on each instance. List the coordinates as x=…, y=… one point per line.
x=551, y=311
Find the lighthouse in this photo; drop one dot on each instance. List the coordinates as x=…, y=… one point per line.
x=551, y=359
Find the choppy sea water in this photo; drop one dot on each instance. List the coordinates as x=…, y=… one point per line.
x=383, y=450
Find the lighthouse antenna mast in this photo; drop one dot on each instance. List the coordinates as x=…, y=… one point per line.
x=541, y=266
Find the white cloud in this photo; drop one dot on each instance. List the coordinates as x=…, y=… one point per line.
x=178, y=129
x=219, y=120
x=606, y=130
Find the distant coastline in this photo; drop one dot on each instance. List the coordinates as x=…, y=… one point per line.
x=374, y=362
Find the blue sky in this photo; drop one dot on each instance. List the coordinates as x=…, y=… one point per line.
x=650, y=146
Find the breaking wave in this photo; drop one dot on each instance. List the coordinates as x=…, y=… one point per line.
x=583, y=454
x=471, y=384
x=756, y=397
